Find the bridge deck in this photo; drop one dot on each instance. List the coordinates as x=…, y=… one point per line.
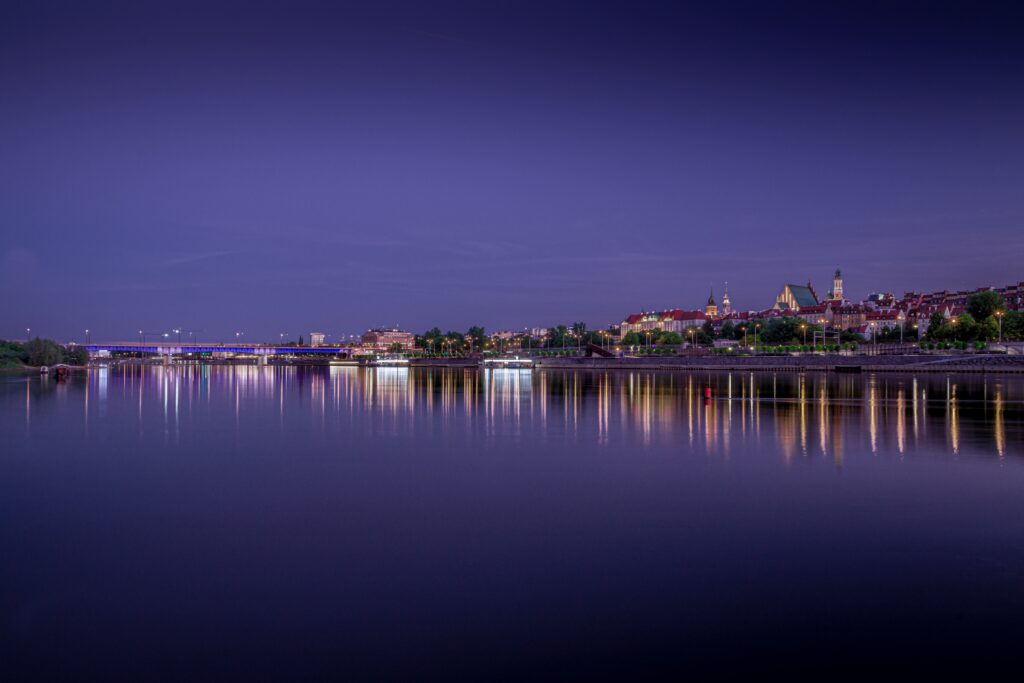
x=164, y=348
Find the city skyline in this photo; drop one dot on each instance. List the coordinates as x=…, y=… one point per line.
x=906, y=300
x=246, y=167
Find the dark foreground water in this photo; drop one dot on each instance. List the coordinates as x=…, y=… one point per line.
x=213, y=522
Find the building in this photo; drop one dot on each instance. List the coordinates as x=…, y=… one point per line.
x=711, y=310
x=846, y=317
x=795, y=297
x=819, y=314
x=837, y=287
x=885, y=320
x=726, y=304
x=316, y=338
x=384, y=339
x=674, y=320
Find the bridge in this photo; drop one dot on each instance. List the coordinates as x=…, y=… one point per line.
x=261, y=351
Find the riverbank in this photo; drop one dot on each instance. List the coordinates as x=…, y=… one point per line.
x=974, y=363
x=960, y=363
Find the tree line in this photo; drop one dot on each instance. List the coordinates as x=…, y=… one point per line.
x=38, y=352
x=981, y=320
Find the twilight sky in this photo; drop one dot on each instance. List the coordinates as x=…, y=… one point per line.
x=290, y=166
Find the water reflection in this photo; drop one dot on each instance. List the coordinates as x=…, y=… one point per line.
x=797, y=415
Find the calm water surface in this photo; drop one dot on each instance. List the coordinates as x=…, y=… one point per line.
x=205, y=522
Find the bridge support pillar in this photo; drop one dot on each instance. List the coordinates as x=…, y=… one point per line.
x=167, y=359
x=262, y=361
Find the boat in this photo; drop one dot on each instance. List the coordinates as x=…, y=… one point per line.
x=510, y=362
x=390, y=361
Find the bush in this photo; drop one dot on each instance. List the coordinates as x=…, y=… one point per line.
x=78, y=356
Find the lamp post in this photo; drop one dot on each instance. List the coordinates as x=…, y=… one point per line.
x=999, y=320
x=756, y=328
x=87, y=335
x=804, y=328
x=140, y=336
x=178, y=332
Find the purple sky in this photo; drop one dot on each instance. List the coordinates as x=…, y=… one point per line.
x=285, y=167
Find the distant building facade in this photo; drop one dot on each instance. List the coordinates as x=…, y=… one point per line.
x=795, y=297
x=316, y=338
x=674, y=320
x=382, y=339
x=711, y=310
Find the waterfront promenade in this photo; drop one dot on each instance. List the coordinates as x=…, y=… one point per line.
x=988, y=363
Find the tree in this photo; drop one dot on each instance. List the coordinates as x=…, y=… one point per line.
x=557, y=335
x=579, y=329
x=780, y=331
x=984, y=304
x=935, y=323
x=633, y=339
x=1013, y=325
x=669, y=338
x=78, y=356
x=12, y=354
x=44, y=352
x=728, y=330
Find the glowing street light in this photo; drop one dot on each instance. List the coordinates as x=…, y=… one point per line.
x=999, y=319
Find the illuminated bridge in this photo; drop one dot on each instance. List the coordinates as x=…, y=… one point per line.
x=261, y=351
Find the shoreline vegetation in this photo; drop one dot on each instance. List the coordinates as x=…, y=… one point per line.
x=38, y=353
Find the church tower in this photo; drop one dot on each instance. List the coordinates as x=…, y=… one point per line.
x=712, y=309
x=837, y=286
x=726, y=304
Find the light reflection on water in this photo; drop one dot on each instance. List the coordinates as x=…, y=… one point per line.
x=796, y=415
x=390, y=523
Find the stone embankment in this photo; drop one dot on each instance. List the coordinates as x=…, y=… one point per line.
x=991, y=363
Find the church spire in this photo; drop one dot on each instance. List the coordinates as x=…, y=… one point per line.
x=726, y=304
x=711, y=310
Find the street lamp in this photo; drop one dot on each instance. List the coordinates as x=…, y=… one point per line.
x=756, y=328
x=178, y=332
x=804, y=328
x=87, y=335
x=999, y=319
